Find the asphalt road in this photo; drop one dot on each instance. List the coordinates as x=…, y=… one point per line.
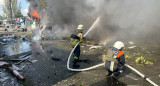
x=43, y=71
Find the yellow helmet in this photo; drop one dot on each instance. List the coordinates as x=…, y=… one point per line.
x=80, y=27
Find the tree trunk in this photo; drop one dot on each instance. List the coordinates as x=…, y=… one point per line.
x=10, y=7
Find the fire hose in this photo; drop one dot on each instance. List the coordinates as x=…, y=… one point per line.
x=102, y=64
x=143, y=76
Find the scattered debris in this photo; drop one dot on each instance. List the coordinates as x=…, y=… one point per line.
x=95, y=47
x=24, y=59
x=18, y=55
x=131, y=42
x=131, y=47
x=16, y=73
x=127, y=56
x=142, y=60
x=33, y=61
x=2, y=43
x=12, y=67
x=84, y=51
x=16, y=59
x=22, y=67
x=89, y=45
x=2, y=63
x=15, y=67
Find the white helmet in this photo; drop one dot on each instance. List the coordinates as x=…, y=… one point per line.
x=118, y=45
x=80, y=27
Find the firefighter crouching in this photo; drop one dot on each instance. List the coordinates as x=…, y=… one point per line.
x=74, y=40
x=115, y=60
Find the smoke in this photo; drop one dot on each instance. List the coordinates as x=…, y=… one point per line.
x=118, y=17
x=127, y=17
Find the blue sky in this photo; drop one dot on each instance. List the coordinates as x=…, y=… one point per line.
x=24, y=4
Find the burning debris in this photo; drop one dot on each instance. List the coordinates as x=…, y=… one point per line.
x=35, y=14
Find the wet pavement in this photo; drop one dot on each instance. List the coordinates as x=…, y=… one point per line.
x=12, y=48
x=17, y=48
x=43, y=71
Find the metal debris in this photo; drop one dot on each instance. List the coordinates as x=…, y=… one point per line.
x=23, y=60
x=16, y=73
x=15, y=67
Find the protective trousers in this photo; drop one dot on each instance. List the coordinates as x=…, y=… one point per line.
x=76, y=55
x=113, y=68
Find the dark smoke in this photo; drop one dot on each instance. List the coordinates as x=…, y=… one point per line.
x=118, y=17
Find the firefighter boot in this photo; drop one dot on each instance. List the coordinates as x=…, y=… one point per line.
x=75, y=62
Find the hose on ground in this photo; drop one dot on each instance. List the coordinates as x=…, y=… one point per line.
x=143, y=76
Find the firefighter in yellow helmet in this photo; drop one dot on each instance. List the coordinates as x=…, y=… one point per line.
x=80, y=32
x=115, y=60
x=74, y=40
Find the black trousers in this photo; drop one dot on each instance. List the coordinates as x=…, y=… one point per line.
x=113, y=67
x=76, y=54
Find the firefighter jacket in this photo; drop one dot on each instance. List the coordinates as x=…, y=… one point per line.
x=114, y=55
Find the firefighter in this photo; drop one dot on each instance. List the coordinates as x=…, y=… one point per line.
x=80, y=32
x=115, y=60
x=74, y=40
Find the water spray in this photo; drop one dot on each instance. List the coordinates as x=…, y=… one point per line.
x=94, y=24
x=102, y=64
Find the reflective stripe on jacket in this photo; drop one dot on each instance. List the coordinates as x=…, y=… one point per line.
x=115, y=55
